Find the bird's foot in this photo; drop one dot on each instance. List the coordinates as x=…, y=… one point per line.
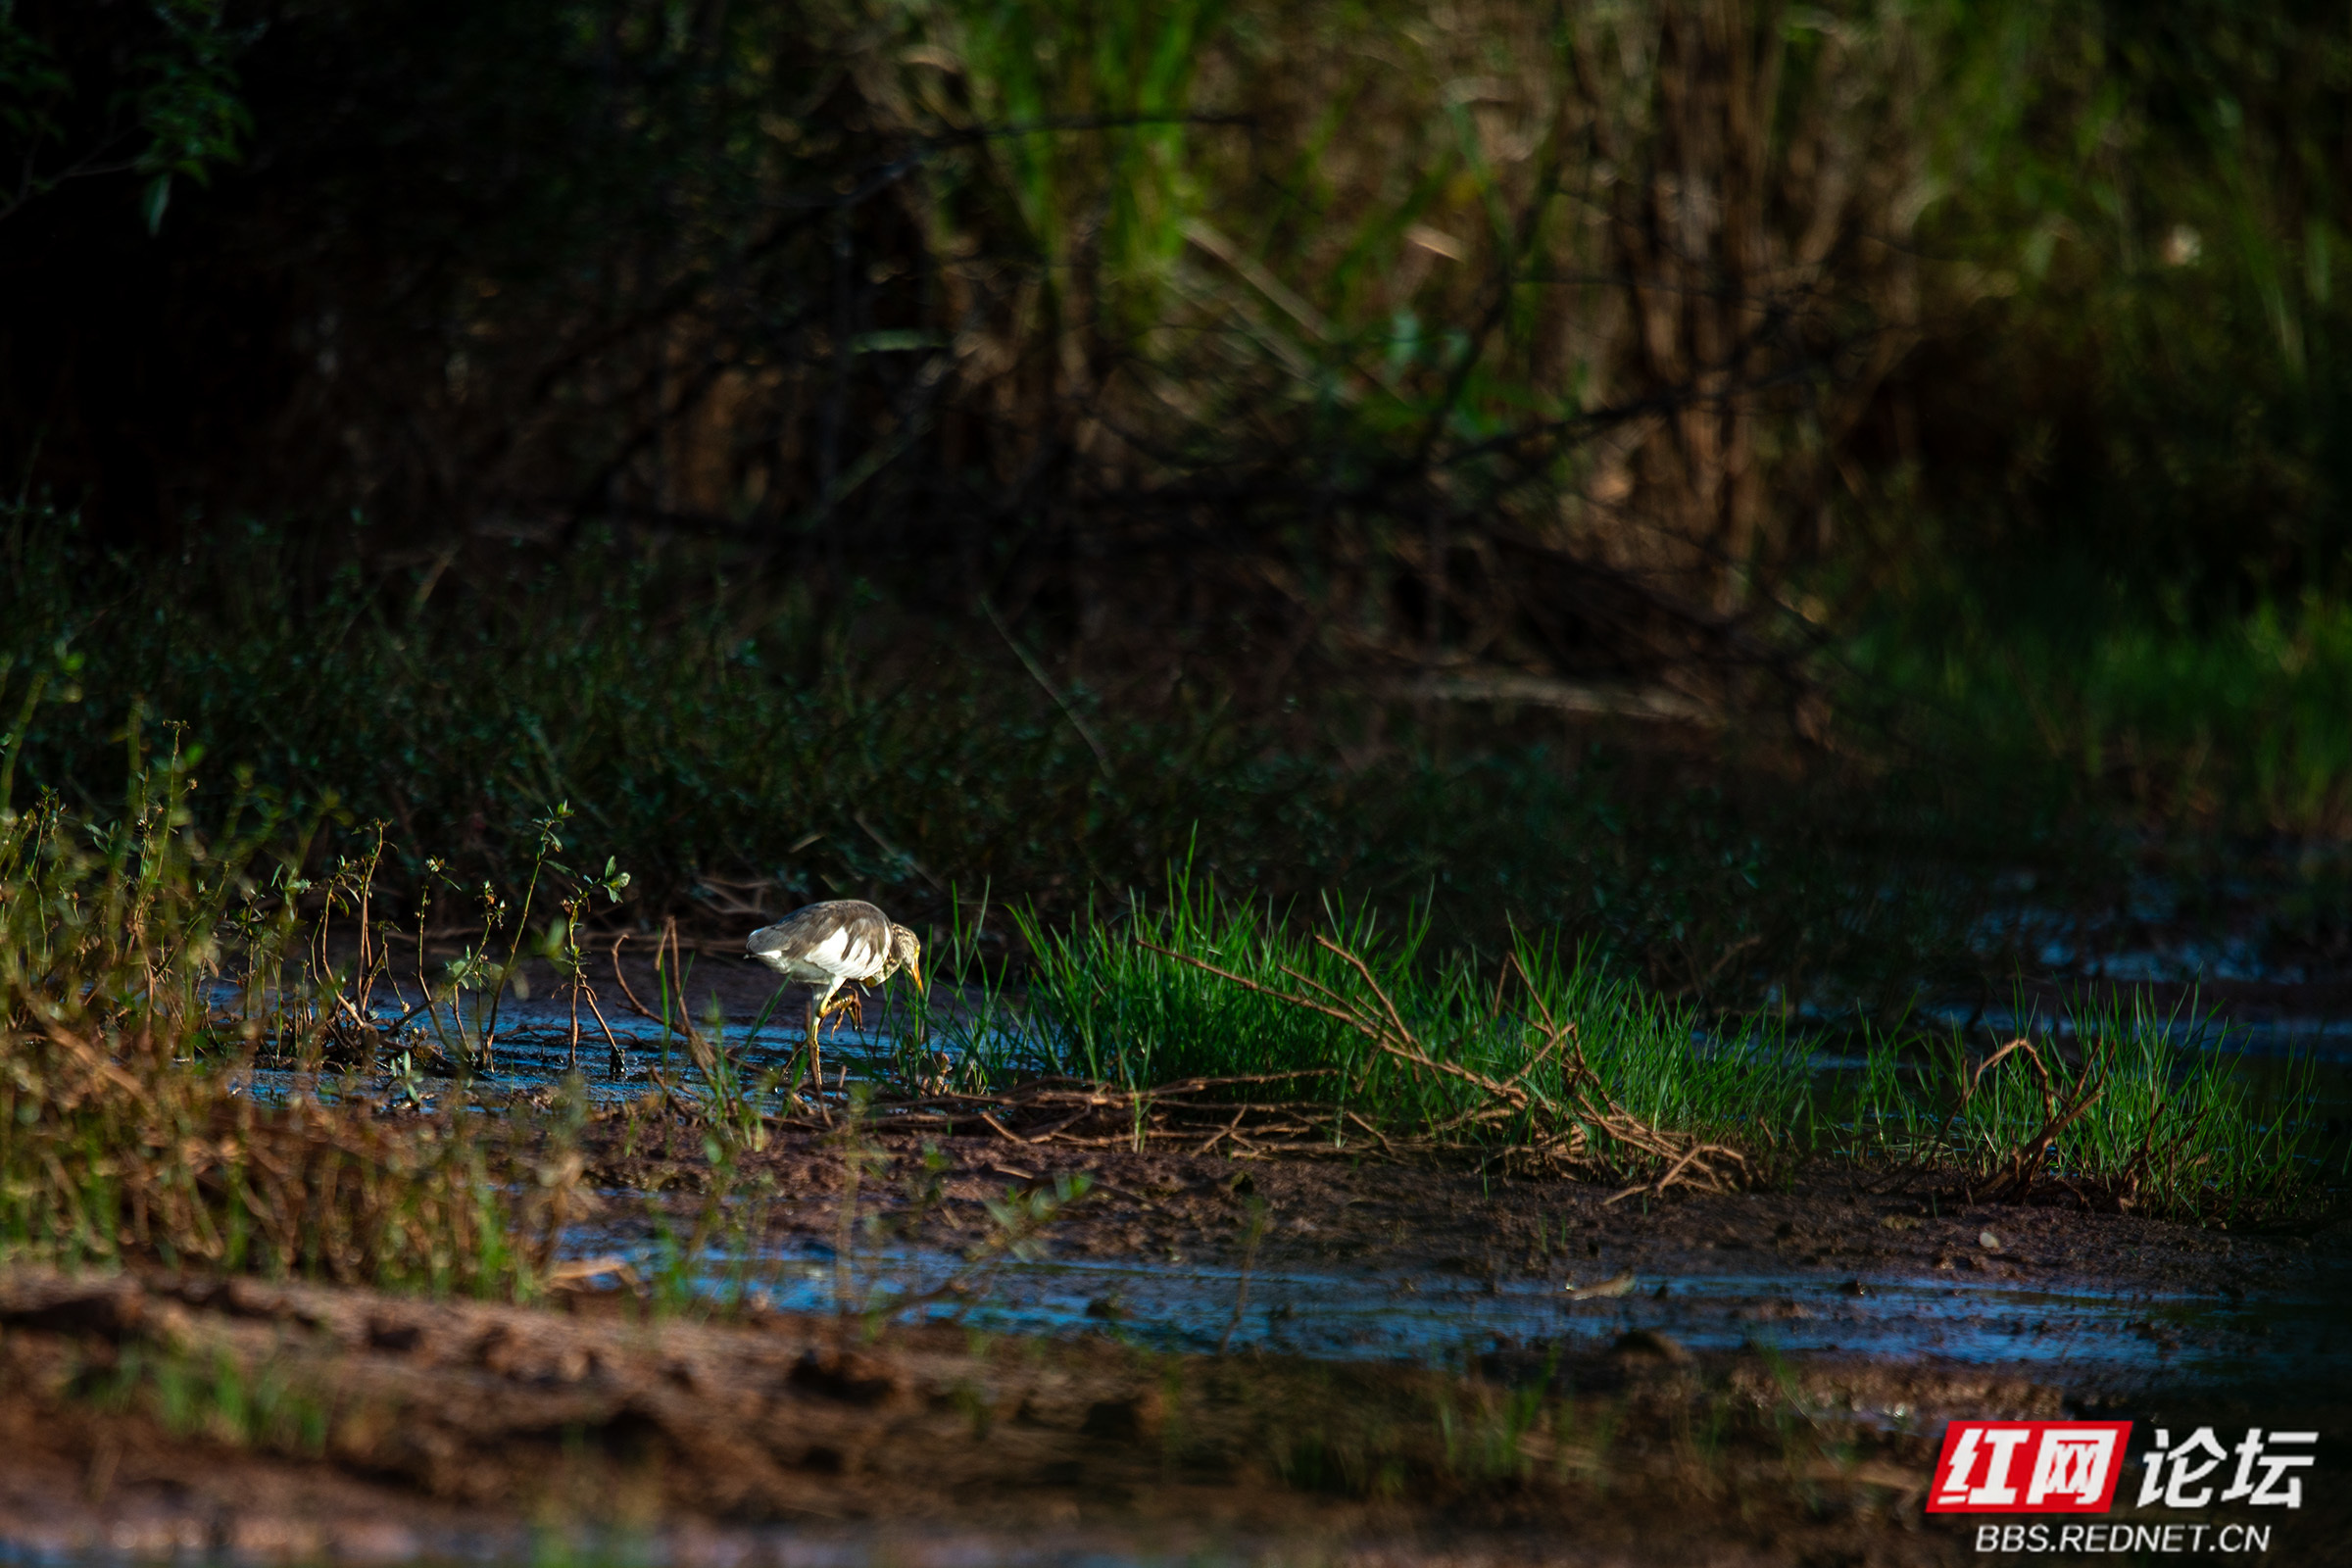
x=850, y=1003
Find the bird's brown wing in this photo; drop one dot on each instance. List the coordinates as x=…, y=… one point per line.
x=836, y=925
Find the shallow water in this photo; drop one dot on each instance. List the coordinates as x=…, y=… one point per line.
x=2088, y=1336
x=533, y=1050
x=534, y=1046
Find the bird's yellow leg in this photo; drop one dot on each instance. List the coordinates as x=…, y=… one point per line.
x=817, y=1066
x=850, y=1001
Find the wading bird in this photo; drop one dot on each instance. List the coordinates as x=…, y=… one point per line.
x=826, y=946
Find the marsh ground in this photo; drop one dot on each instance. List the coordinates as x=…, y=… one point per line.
x=159, y=1413
x=166, y=1414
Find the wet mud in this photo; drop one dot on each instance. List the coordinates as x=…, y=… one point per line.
x=182, y=1416
x=1401, y=1262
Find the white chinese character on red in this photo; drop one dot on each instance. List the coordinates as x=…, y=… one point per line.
x=1994, y=1491
x=2185, y=1472
x=2270, y=1494
x=2073, y=1464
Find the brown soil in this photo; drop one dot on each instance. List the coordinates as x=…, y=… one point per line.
x=1159, y=1206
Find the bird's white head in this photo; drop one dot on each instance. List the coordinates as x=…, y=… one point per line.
x=907, y=952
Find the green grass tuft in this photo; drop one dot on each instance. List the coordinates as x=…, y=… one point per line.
x=1133, y=1002
x=1168, y=993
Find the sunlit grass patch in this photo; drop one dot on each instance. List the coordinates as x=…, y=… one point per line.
x=1359, y=1028
x=1201, y=999
x=2119, y=1109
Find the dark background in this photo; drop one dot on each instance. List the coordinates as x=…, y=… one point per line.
x=1747, y=483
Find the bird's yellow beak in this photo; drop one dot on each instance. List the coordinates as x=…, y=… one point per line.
x=915, y=968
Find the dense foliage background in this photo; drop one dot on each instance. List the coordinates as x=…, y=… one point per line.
x=1641, y=464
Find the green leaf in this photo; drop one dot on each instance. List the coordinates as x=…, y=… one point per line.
x=158, y=196
x=895, y=341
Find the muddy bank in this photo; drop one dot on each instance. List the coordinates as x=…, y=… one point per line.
x=1157, y=1203
x=1415, y=1263
x=177, y=1415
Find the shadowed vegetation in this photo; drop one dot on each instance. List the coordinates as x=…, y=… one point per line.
x=1621, y=358
x=742, y=749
